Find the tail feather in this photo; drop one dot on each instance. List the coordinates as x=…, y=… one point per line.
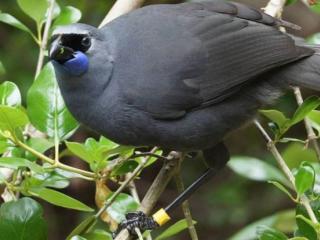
x=306, y=71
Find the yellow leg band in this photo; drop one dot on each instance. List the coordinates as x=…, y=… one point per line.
x=161, y=217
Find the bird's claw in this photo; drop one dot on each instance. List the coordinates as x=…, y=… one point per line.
x=136, y=220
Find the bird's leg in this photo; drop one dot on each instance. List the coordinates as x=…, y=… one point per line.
x=215, y=158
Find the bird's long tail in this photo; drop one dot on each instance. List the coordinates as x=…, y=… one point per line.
x=305, y=72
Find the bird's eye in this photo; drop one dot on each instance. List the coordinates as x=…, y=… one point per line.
x=86, y=42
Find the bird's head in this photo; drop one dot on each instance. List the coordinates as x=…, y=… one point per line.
x=72, y=47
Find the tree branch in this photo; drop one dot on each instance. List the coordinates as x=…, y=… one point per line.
x=275, y=9
x=44, y=41
x=156, y=189
x=119, y=8
x=186, y=207
x=273, y=149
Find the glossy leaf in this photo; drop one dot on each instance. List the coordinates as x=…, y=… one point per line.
x=255, y=169
x=9, y=94
x=40, y=145
x=84, y=227
x=314, y=119
x=4, y=145
x=12, y=21
x=68, y=15
x=126, y=167
x=284, y=221
x=12, y=118
x=46, y=109
x=22, y=220
x=15, y=163
x=308, y=105
x=295, y=153
x=46, y=179
x=123, y=204
x=36, y=9
x=81, y=151
x=304, y=178
x=60, y=199
x=267, y=233
x=174, y=229
x=305, y=226
x=275, y=116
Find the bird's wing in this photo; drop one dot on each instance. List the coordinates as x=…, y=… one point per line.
x=193, y=55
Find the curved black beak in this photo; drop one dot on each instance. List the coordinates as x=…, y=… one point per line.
x=60, y=53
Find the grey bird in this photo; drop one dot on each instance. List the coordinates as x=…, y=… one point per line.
x=181, y=76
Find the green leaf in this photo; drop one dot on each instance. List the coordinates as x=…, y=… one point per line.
x=283, y=189
x=174, y=229
x=123, y=204
x=304, y=178
x=46, y=109
x=46, y=179
x=22, y=220
x=9, y=94
x=267, y=233
x=275, y=116
x=283, y=221
x=255, y=169
x=81, y=151
x=12, y=21
x=315, y=8
x=98, y=234
x=40, y=145
x=296, y=153
x=84, y=227
x=60, y=199
x=305, y=227
x=78, y=238
x=12, y=118
x=314, y=39
x=308, y=105
x=15, y=163
x=2, y=69
x=126, y=167
x=289, y=2
x=298, y=238
x=67, y=16
x=4, y=145
x=36, y=9
x=314, y=119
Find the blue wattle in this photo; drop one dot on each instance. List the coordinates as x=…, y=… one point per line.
x=77, y=65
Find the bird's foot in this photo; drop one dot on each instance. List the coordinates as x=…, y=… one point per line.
x=136, y=220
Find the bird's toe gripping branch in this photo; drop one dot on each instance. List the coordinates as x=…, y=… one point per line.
x=141, y=221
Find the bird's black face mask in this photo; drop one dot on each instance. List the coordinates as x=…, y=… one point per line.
x=69, y=51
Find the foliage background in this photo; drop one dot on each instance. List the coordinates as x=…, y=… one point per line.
x=222, y=207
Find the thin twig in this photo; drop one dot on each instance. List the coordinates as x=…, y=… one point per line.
x=275, y=9
x=85, y=174
x=45, y=37
x=156, y=189
x=108, y=203
x=311, y=134
x=186, y=207
x=273, y=149
x=119, y=8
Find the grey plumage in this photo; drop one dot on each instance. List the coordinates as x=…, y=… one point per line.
x=183, y=76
